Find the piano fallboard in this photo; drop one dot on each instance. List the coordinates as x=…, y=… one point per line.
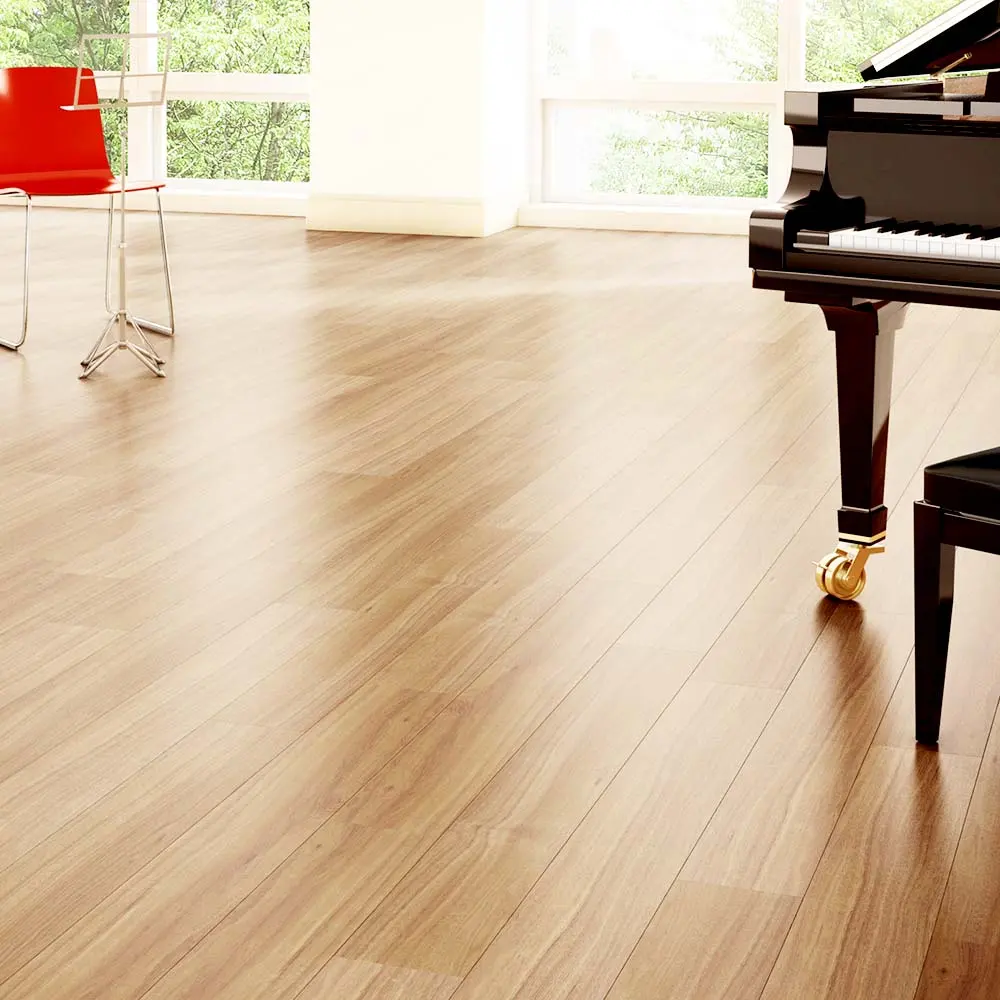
x=940, y=177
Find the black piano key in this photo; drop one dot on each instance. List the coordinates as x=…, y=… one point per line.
x=903, y=227
x=970, y=232
x=874, y=225
x=946, y=230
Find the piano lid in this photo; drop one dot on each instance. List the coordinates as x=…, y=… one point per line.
x=964, y=38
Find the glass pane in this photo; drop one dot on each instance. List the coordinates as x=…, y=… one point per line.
x=642, y=153
x=237, y=36
x=47, y=32
x=235, y=140
x=664, y=39
x=842, y=34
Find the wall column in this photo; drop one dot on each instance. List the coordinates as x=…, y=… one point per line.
x=420, y=115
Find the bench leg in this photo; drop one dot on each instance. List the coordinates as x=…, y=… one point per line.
x=934, y=589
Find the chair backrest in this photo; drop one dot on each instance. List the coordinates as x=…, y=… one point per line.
x=37, y=136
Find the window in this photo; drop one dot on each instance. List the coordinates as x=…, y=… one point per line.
x=840, y=35
x=242, y=63
x=662, y=40
x=665, y=101
x=237, y=36
x=601, y=154
x=237, y=87
x=238, y=140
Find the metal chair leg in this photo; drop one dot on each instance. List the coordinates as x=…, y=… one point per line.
x=146, y=324
x=12, y=345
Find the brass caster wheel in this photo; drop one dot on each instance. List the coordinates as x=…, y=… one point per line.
x=834, y=576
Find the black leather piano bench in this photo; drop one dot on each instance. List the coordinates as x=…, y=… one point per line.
x=960, y=509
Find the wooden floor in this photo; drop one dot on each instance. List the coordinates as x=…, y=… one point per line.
x=443, y=626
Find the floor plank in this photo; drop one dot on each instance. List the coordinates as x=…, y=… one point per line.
x=57, y=883
x=962, y=960
x=707, y=942
x=457, y=897
x=368, y=981
x=577, y=926
x=773, y=825
x=881, y=879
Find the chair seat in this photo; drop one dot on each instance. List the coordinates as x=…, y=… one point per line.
x=71, y=183
x=969, y=484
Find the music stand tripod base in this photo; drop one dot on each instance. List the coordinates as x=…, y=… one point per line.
x=106, y=346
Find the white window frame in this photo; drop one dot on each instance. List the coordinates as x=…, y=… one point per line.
x=692, y=213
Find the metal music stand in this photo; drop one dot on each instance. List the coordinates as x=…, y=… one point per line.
x=116, y=334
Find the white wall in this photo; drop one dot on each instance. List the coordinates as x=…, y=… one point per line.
x=419, y=115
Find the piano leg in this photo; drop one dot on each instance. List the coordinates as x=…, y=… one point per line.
x=865, y=333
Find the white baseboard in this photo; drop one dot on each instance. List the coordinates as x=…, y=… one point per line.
x=644, y=218
x=413, y=216
x=421, y=216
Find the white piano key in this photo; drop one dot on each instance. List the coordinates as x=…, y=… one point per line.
x=857, y=239
x=966, y=248
x=950, y=244
x=932, y=245
x=852, y=239
x=899, y=240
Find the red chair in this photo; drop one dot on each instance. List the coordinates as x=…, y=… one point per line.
x=46, y=150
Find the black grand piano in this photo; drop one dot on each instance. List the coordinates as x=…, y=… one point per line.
x=894, y=197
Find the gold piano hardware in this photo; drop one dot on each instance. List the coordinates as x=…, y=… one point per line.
x=947, y=69
x=863, y=539
x=842, y=574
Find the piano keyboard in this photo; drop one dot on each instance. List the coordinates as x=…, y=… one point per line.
x=910, y=239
